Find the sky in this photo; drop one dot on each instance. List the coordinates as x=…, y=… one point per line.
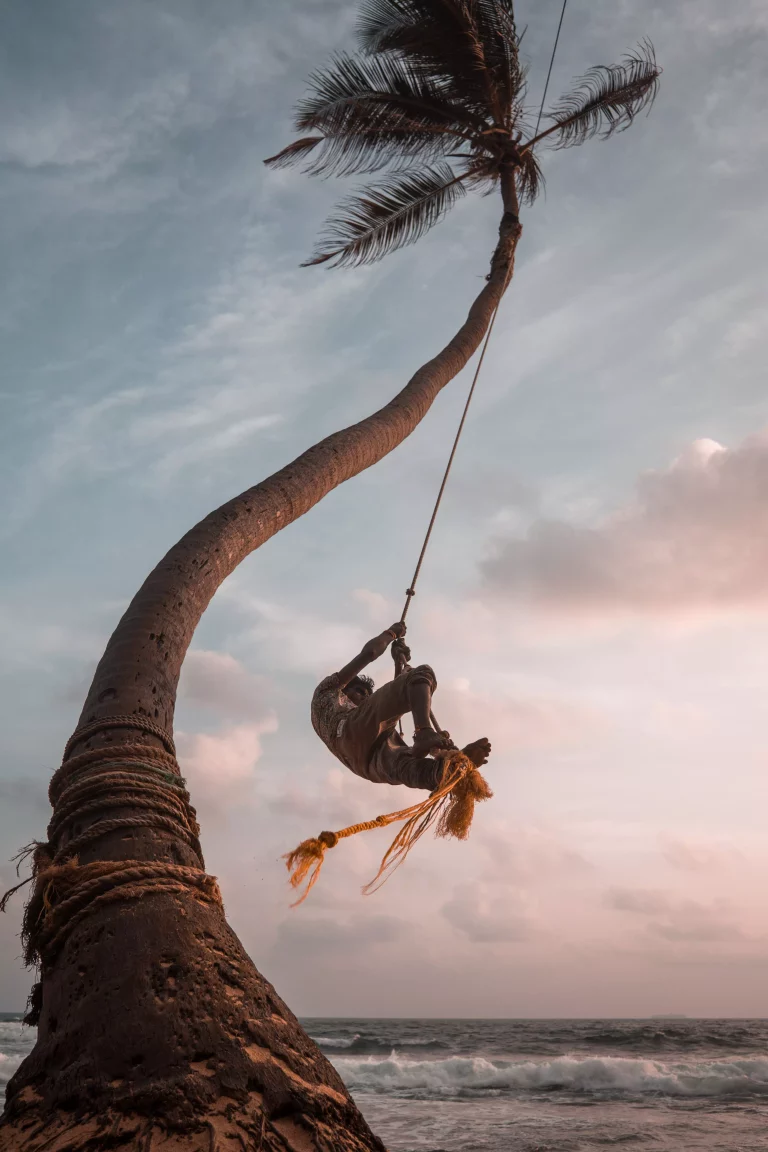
x=595, y=599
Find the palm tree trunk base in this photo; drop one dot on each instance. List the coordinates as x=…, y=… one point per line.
x=158, y=1034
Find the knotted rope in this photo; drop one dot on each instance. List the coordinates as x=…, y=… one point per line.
x=143, y=723
x=127, y=776
x=451, y=806
x=64, y=894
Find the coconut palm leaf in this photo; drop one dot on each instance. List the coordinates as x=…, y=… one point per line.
x=529, y=178
x=374, y=112
x=387, y=86
x=470, y=45
x=606, y=99
x=294, y=153
x=395, y=211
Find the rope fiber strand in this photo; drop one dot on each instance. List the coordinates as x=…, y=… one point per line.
x=451, y=806
x=127, y=777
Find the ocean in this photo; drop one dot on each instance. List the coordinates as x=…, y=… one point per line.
x=668, y=1084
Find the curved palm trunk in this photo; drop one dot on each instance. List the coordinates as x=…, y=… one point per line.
x=156, y=1031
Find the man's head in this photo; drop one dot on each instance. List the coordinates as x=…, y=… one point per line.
x=359, y=689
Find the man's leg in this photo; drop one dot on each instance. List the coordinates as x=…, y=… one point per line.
x=381, y=712
x=393, y=762
x=420, y=689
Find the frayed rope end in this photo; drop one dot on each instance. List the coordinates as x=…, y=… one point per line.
x=305, y=862
x=451, y=806
x=456, y=817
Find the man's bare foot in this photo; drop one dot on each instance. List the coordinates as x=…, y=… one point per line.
x=478, y=751
x=427, y=742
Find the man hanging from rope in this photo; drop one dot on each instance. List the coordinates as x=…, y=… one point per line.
x=359, y=725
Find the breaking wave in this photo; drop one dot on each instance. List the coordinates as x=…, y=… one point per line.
x=603, y=1077
x=8, y=1065
x=372, y=1046
x=11, y=1031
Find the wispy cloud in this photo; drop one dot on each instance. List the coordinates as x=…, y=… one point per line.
x=690, y=541
x=678, y=919
x=489, y=914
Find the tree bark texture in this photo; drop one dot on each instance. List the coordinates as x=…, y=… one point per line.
x=156, y=1032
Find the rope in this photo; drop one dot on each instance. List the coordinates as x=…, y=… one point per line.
x=144, y=754
x=411, y=590
x=143, y=723
x=451, y=806
x=65, y=894
x=128, y=776
x=549, y=73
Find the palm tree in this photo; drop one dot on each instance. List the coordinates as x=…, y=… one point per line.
x=437, y=94
x=155, y=1029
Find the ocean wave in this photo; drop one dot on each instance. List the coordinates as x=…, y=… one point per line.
x=13, y=1032
x=656, y=1037
x=603, y=1077
x=373, y=1046
x=335, y=1042
x=8, y=1065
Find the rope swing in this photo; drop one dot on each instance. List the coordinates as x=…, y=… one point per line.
x=451, y=805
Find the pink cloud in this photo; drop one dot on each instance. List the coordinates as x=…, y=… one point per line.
x=695, y=536
x=489, y=914
x=511, y=721
x=220, y=767
x=217, y=681
x=528, y=854
x=678, y=919
x=694, y=856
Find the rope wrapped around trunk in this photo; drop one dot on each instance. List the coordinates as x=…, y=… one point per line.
x=451, y=806
x=127, y=776
x=64, y=894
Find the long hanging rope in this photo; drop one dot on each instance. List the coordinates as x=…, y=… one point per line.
x=400, y=662
x=549, y=72
x=411, y=591
x=452, y=803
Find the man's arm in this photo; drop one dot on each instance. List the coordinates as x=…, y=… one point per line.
x=372, y=650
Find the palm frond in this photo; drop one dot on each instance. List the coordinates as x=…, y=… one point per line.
x=374, y=112
x=395, y=211
x=294, y=153
x=606, y=99
x=495, y=23
x=469, y=46
x=355, y=87
x=529, y=178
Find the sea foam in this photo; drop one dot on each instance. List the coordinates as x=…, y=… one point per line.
x=8, y=1065
x=604, y=1076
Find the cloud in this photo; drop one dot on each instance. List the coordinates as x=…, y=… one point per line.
x=519, y=854
x=690, y=856
x=302, y=936
x=287, y=638
x=677, y=919
x=514, y=722
x=219, y=682
x=340, y=800
x=220, y=767
x=646, y=901
x=695, y=537
x=31, y=793
x=488, y=914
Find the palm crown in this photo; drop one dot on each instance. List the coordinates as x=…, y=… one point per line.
x=437, y=95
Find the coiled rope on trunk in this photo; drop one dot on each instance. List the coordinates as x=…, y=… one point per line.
x=123, y=776
x=451, y=806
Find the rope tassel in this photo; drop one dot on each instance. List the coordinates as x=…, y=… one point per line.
x=451, y=807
